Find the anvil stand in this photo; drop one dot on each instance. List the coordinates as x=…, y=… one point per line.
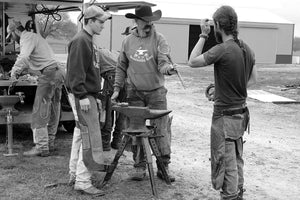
x=141, y=135
x=7, y=102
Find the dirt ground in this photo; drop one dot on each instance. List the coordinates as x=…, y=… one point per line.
x=271, y=151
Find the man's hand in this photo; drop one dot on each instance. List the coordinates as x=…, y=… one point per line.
x=114, y=97
x=13, y=79
x=100, y=106
x=85, y=104
x=172, y=69
x=205, y=27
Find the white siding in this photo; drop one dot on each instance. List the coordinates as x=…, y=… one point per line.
x=262, y=41
x=268, y=40
x=177, y=36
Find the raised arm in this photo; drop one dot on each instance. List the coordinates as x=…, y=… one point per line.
x=196, y=58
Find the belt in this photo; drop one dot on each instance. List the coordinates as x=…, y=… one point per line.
x=231, y=112
x=48, y=68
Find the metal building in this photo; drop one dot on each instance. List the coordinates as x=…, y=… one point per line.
x=270, y=36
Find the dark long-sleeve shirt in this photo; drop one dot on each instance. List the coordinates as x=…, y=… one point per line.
x=83, y=73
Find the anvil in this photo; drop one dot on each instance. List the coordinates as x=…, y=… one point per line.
x=138, y=116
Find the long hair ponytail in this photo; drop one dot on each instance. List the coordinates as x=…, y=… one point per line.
x=228, y=21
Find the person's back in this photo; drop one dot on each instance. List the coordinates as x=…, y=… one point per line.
x=234, y=71
x=231, y=74
x=42, y=54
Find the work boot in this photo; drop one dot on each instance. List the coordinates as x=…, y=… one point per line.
x=115, y=144
x=52, y=146
x=161, y=176
x=106, y=147
x=106, y=142
x=72, y=180
x=139, y=174
x=241, y=193
x=36, y=152
x=90, y=191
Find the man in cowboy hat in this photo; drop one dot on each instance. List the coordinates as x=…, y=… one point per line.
x=145, y=66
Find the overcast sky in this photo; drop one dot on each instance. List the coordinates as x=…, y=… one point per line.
x=287, y=9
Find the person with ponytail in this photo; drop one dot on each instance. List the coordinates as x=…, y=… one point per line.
x=234, y=71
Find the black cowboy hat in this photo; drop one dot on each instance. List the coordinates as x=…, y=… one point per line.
x=144, y=13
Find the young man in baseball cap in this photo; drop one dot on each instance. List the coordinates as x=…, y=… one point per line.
x=83, y=81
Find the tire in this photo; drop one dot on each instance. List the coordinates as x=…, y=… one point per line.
x=69, y=126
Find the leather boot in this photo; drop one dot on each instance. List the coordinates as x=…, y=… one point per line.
x=161, y=176
x=36, y=152
x=106, y=142
x=115, y=144
x=72, y=180
x=90, y=190
x=241, y=193
x=139, y=174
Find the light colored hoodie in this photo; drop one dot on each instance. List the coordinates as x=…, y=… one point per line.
x=142, y=62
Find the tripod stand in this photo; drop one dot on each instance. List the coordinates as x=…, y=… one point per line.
x=143, y=136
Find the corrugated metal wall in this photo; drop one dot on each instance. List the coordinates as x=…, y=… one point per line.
x=272, y=43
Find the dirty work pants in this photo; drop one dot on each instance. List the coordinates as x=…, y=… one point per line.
x=46, y=107
x=226, y=152
x=112, y=118
x=76, y=165
x=155, y=99
x=87, y=124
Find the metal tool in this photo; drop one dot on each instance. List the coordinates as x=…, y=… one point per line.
x=165, y=49
x=142, y=135
x=7, y=103
x=11, y=87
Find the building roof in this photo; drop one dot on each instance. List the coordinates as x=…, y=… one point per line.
x=197, y=11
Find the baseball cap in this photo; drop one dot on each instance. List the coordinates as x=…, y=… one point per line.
x=12, y=26
x=96, y=12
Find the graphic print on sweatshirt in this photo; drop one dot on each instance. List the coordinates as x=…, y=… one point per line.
x=141, y=55
x=96, y=57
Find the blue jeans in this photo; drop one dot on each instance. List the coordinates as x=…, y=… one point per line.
x=155, y=99
x=226, y=152
x=46, y=107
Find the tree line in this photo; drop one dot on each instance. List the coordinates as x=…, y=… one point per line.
x=59, y=27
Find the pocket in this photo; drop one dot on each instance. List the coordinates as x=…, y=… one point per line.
x=44, y=109
x=234, y=126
